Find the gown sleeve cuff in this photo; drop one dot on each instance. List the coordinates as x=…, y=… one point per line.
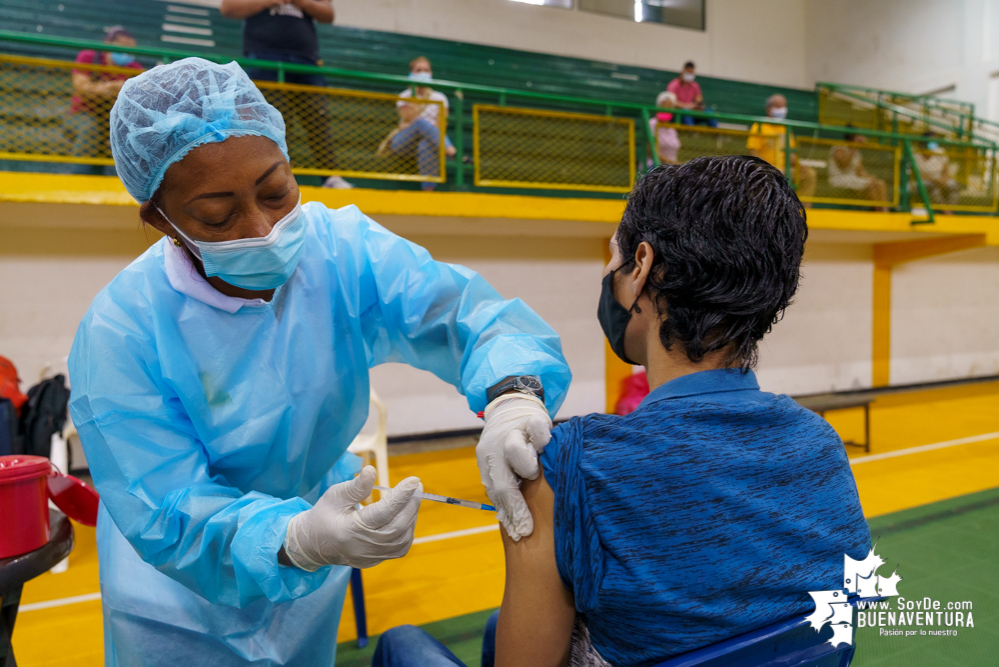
x=255, y=555
x=521, y=354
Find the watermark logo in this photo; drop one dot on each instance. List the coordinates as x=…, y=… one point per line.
x=859, y=578
x=880, y=606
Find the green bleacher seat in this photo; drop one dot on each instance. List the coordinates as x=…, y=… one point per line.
x=390, y=53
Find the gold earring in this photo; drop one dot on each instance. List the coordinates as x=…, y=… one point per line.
x=177, y=243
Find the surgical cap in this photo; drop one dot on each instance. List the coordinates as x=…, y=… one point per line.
x=163, y=113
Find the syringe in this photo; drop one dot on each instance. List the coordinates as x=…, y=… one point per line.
x=447, y=499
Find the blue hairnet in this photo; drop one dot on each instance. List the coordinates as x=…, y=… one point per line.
x=163, y=113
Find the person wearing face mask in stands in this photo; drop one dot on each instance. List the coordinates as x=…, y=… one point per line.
x=220, y=377
x=688, y=96
x=94, y=93
x=420, y=125
x=768, y=141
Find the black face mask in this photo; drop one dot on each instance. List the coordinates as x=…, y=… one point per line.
x=614, y=317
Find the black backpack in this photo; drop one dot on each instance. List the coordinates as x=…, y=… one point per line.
x=10, y=438
x=44, y=414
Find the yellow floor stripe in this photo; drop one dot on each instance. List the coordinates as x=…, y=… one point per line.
x=927, y=446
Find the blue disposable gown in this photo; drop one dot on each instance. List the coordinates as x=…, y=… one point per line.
x=206, y=431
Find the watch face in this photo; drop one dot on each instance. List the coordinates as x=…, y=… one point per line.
x=528, y=382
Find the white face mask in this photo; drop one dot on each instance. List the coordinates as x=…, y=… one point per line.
x=778, y=112
x=687, y=76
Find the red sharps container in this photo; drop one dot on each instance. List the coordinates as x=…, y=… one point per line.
x=26, y=484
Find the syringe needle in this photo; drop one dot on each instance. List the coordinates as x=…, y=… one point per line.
x=448, y=500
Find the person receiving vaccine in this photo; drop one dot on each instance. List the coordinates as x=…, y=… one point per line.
x=218, y=380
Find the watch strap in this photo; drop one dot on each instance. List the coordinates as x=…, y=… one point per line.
x=511, y=383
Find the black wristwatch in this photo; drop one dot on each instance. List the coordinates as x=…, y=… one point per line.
x=525, y=384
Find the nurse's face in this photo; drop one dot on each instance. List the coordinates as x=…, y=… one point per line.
x=234, y=189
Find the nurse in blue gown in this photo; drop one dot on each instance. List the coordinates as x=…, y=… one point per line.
x=219, y=378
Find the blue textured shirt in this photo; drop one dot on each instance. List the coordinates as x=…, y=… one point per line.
x=710, y=511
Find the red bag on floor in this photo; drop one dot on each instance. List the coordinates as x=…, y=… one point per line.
x=633, y=390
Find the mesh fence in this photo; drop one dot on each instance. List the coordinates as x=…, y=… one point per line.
x=55, y=111
x=530, y=148
x=956, y=178
x=849, y=171
x=356, y=133
x=675, y=143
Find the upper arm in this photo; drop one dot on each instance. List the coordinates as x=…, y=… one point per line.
x=321, y=11
x=231, y=9
x=538, y=612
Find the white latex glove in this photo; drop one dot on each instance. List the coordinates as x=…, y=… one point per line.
x=517, y=429
x=337, y=532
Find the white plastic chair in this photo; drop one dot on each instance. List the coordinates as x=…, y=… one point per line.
x=366, y=444
x=59, y=450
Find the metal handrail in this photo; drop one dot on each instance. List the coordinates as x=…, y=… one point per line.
x=974, y=122
x=920, y=186
x=459, y=87
x=893, y=93
x=902, y=111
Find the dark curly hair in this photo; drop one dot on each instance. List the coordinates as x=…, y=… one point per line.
x=728, y=234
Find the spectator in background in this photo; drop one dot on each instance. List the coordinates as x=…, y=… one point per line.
x=688, y=96
x=767, y=143
x=935, y=170
x=846, y=170
x=419, y=131
x=666, y=138
x=94, y=93
x=285, y=31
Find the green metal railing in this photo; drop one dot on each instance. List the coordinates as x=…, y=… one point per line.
x=888, y=109
x=557, y=142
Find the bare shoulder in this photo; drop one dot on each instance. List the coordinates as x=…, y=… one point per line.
x=536, y=619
